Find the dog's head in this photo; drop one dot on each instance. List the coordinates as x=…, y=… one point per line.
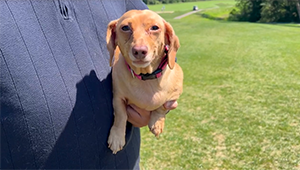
x=141, y=36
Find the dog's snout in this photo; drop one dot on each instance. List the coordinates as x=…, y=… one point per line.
x=139, y=52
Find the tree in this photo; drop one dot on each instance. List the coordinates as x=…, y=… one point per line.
x=166, y=1
x=248, y=10
x=267, y=11
x=298, y=8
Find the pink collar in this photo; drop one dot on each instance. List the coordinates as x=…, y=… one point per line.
x=157, y=73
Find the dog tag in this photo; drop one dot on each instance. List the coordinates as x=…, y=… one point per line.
x=132, y=73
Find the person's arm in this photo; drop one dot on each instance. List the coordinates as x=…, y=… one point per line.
x=139, y=117
x=135, y=4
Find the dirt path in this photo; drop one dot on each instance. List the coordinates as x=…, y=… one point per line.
x=160, y=12
x=192, y=12
x=186, y=14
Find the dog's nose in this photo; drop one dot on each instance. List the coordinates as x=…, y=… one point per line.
x=139, y=52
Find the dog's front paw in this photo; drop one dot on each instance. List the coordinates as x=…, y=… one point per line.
x=157, y=126
x=116, y=140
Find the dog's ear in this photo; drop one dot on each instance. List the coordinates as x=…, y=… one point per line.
x=172, y=40
x=111, y=40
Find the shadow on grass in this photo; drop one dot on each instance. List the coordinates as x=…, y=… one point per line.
x=204, y=15
x=293, y=25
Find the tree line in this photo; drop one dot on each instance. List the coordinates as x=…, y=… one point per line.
x=256, y=10
x=153, y=2
x=266, y=11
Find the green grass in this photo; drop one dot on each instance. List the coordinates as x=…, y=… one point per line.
x=217, y=13
x=188, y=6
x=240, y=108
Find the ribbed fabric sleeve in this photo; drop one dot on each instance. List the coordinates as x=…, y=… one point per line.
x=56, y=96
x=135, y=4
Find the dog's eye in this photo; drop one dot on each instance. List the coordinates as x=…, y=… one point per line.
x=154, y=28
x=126, y=28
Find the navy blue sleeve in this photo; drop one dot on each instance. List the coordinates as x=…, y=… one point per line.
x=135, y=4
x=56, y=95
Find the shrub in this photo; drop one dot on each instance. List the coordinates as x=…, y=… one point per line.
x=266, y=11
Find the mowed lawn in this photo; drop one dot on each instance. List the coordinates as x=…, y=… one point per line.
x=240, y=108
x=189, y=5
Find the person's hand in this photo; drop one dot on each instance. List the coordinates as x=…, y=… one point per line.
x=139, y=117
x=170, y=105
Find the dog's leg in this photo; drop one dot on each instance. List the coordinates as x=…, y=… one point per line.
x=116, y=139
x=157, y=121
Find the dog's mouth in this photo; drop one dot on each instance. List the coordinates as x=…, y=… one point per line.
x=141, y=63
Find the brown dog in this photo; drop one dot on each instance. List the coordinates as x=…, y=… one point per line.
x=145, y=72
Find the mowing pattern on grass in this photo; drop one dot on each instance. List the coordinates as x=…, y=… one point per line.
x=241, y=103
x=188, y=6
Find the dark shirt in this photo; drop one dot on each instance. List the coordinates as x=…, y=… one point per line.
x=56, y=95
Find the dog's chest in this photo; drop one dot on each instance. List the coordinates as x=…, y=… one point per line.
x=146, y=95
